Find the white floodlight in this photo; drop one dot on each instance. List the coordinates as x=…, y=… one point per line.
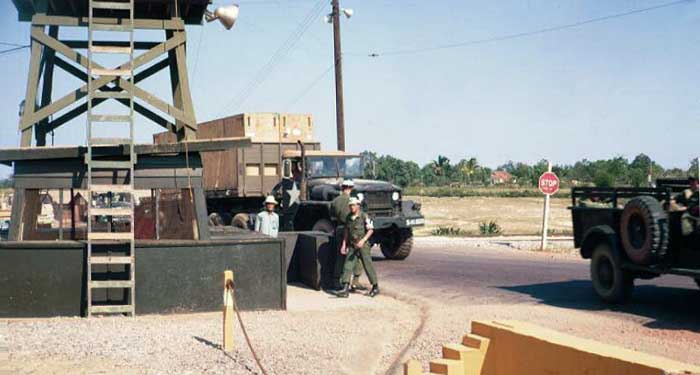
x=227, y=15
x=348, y=13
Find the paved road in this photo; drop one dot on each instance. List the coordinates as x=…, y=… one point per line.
x=455, y=271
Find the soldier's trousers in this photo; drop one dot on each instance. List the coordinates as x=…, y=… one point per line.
x=354, y=257
x=340, y=258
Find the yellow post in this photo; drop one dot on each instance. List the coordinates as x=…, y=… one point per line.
x=228, y=311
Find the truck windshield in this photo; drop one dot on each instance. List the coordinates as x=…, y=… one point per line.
x=332, y=166
x=350, y=167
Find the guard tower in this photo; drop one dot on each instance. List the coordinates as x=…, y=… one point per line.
x=110, y=26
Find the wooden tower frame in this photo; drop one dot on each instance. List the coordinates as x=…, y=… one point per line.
x=48, y=51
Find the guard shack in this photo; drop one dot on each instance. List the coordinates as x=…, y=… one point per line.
x=114, y=226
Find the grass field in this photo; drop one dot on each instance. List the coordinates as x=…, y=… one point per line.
x=516, y=216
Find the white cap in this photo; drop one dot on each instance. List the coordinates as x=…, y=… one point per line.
x=348, y=183
x=270, y=199
x=353, y=200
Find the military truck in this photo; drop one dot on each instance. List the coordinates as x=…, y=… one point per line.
x=631, y=233
x=285, y=161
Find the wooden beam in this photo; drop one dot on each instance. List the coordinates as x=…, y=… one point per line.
x=151, y=70
x=158, y=103
x=72, y=70
x=32, y=85
x=68, y=152
x=182, y=97
x=83, y=44
x=153, y=24
x=145, y=58
x=47, y=82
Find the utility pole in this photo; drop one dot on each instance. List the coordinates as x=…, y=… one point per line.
x=339, y=109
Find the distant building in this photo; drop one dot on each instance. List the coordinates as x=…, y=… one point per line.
x=501, y=177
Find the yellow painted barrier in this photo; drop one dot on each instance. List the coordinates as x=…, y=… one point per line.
x=518, y=348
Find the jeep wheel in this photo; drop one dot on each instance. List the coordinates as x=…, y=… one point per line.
x=610, y=282
x=323, y=225
x=644, y=230
x=240, y=221
x=398, y=245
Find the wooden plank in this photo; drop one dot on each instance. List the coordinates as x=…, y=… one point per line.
x=111, y=5
x=111, y=283
x=109, y=141
x=110, y=260
x=158, y=103
x=111, y=212
x=111, y=188
x=121, y=236
x=111, y=95
x=111, y=49
x=111, y=164
x=103, y=72
x=109, y=118
x=111, y=309
x=139, y=23
x=47, y=82
x=112, y=27
x=67, y=152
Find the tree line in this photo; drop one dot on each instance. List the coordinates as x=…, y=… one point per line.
x=617, y=171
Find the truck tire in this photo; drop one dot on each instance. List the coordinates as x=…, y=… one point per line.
x=399, y=245
x=644, y=230
x=323, y=225
x=240, y=221
x=610, y=282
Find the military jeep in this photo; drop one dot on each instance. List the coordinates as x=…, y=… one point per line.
x=630, y=233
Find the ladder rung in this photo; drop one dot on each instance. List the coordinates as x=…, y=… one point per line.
x=110, y=72
x=110, y=164
x=110, y=141
x=111, y=212
x=110, y=118
x=110, y=260
x=111, y=188
x=110, y=27
x=111, y=49
x=117, y=236
x=111, y=309
x=111, y=284
x=111, y=95
x=111, y=5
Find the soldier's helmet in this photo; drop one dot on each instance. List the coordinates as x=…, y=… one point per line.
x=348, y=183
x=353, y=201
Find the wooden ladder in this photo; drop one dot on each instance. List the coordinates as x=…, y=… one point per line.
x=107, y=194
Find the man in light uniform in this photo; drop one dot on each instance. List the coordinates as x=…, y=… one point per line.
x=339, y=213
x=267, y=221
x=358, y=230
x=687, y=201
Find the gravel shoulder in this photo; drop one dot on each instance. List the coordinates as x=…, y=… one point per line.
x=358, y=335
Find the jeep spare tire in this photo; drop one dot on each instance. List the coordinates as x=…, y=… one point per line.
x=644, y=230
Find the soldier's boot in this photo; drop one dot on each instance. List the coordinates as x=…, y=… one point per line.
x=355, y=286
x=343, y=293
x=375, y=291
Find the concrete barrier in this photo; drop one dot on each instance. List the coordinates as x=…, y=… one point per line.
x=511, y=347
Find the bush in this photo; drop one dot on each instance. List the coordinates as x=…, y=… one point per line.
x=489, y=228
x=448, y=231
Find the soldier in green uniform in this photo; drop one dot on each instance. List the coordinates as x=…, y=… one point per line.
x=687, y=201
x=339, y=213
x=358, y=230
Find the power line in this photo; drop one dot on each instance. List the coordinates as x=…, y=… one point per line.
x=310, y=87
x=12, y=50
x=526, y=33
x=279, y=55
x=12, y=44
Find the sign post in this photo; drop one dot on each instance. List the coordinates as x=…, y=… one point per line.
x=548, y=184
x=228, y=311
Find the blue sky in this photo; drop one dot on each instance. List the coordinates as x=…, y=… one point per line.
x=619, y=87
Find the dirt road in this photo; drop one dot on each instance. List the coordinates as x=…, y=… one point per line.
x=458, y=282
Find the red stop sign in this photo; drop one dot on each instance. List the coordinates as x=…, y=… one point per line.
x=549, y=183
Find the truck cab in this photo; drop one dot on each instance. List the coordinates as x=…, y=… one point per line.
x=312, y=179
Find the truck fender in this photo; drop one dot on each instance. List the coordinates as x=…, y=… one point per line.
x=596, y=234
